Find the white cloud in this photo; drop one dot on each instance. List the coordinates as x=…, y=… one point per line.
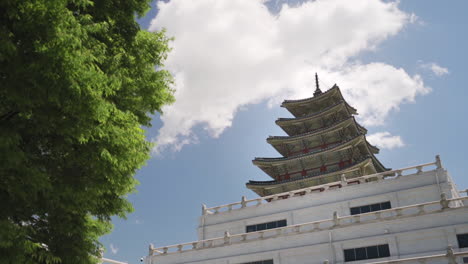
x=231, y=53
x=435, y=68
x=385, y=140
x=113, y=249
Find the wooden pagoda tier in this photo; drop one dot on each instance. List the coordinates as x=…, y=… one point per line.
x=333, y=157
x=325, y=137
x=314, y=121
x=363, y=166
x=318, y=103
x=324, y=143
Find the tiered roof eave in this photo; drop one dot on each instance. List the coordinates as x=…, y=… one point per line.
x=346, y=144
x=284, y=121
x=263, y=187
x=324, y=130
x=291, y=104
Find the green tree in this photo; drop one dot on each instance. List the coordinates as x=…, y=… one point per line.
x=78, y=80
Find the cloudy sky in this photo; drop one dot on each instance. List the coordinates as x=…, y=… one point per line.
x=400, y=64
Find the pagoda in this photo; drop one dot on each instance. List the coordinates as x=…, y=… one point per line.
x=331, y=202
x=324, y=144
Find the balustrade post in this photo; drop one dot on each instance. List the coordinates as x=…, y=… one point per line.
x=438, y=162
x=194, y=245
x=399, y=173
x=165, y=250
x=204, y=209
x=150, y=249
x=450, y=255
x=243, y=202
x=335, y=218
x=179, y=248
x=443, y=201
x=344, y=181
x=227, y=237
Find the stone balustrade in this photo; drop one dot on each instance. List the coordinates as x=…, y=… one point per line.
x=320, y=188
x=334, y=222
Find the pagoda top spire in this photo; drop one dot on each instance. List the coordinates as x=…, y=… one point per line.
x=317, y=89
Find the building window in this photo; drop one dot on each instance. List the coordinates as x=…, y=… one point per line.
x=270, y=261
x=263, y=226
x=370, y=208
x=462, y=240
x=372, y=252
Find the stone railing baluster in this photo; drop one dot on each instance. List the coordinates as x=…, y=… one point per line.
x=438, y=162
x=443, y=201
x=243, y=202
x=150, y=249
x=204, y=210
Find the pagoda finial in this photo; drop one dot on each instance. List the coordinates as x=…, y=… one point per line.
x=317, y=89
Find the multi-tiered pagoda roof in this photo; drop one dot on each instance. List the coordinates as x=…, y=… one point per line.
x=323, y=144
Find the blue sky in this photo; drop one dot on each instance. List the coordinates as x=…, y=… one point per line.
x=214, y=164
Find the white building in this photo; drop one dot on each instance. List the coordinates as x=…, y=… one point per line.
x=331, y=201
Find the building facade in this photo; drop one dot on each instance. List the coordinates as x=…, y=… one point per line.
x=330, y=200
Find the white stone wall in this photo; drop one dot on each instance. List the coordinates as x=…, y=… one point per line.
x=420, y=230
x=407, y=237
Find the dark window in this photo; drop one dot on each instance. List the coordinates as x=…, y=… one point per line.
x=360, y=253
x=465, y=260
x=355, y=210
x=462, y=240
x=271, y=225
x=251, y=228
x=384, y=251
x=281, y=223
x=372, y=252
x=386, y=206
x=263, y=226
x=365, y=209
x=270, y=261
x=375, y=207
x=349, y=255
x=370, y=208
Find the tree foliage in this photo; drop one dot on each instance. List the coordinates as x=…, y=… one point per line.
x=78, y=80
